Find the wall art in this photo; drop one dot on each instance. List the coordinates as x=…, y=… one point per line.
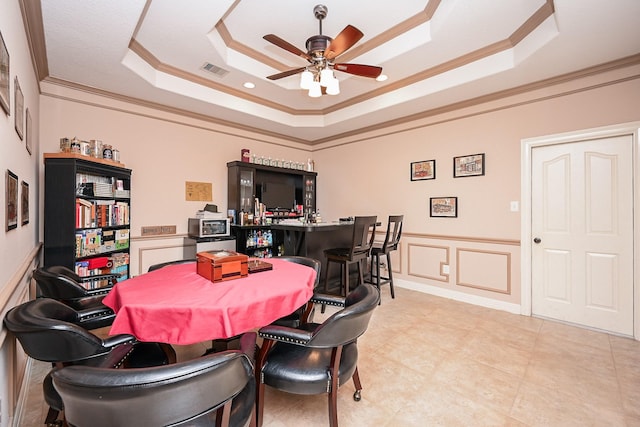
x=24, y=203
x=425, y=169
x=444, y=207
x=470, y=165
x=5, y=100
x=11, y=193
x=29, y=137
x=19, y=100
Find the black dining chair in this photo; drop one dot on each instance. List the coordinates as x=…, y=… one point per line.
x=48, y=331
x=217, y=389
x=390, y=244
x=364, y=230
x=317, y=358
x=305, y=312
x=64, y=285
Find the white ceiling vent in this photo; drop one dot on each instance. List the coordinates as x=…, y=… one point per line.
x=214, y=69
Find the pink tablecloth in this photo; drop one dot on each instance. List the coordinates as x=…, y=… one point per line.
x=175, y=305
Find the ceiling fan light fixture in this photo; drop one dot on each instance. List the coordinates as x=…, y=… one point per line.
x=315, y=91
x=326, y=76
x=306, y=79
x=333, y=88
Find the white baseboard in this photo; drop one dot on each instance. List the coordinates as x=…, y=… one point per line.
x=22, y=397
x=458, y=296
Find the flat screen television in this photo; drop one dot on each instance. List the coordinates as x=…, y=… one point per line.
x=277, y=195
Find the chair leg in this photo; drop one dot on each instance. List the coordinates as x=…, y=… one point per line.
x=378, y=273
x=223, y=414
x=259, y=412
x=326, y=278
x=345, y=278
x=52, y=419
x=390, y=275
x=260, y=360
x=356, y=382
x=326, y=285
x=332, y=397
x=333, y=407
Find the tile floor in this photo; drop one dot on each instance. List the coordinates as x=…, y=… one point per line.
x=430, y=361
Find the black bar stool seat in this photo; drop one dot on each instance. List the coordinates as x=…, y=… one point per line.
x=390, y=244
x=364, y=230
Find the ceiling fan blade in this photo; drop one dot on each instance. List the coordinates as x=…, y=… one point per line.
x=272, y=38
x=286, y=73
x=359, y=69
x=343, y=41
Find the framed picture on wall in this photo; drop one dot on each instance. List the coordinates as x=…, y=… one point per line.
x=29, y=129
x=470, y=165
x=425, y=169
x=19, y=99
x=446, y=207
x=4, y=77
x=11, y=200
x=24, y=203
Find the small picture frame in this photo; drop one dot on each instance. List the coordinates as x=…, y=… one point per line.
x=425, y=169
x=24, y=203
x=19, y=99
x=469, y=165
x=5, y=100
x=29, y=129
x=11, y=193
x=446, y=207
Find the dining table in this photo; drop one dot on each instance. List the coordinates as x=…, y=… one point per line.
x=175, y=305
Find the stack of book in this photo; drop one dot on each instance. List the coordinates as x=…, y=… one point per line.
x=101, y=213
x=88, y=242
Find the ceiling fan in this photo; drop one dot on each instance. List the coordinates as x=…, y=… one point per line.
x=321, y=53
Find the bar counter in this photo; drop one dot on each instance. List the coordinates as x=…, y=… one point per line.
x=310, y=240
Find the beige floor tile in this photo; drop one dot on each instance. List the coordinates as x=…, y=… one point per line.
x=438, y=405
x=479, y=383
x=431, y=361
x=485, y=348
x=538, y=405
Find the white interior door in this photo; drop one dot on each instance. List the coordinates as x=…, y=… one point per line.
x=582, y=226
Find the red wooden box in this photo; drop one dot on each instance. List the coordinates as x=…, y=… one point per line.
x=219, y=266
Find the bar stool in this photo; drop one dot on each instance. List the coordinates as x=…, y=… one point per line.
x=391, y=242
x=364, y=230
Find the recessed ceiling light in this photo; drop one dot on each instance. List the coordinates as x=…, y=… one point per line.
x=381, y=78
x=249, y=85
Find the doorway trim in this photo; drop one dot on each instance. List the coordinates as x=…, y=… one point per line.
x=527, y=145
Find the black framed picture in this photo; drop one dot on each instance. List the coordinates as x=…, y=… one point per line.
x=425, y=169
x=5, y=100
x=19, y=100
x=24, y=203
x=469, y=165
x=29, y=129
x=446, y=207
x=11, y=192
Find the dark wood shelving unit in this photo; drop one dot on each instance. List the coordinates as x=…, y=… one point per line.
x=62, y=172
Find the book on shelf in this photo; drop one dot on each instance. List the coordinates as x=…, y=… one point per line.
x=101, y=213
x=109, y=240
x=122, y=239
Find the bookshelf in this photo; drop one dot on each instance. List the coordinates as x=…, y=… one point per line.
x=87, y=216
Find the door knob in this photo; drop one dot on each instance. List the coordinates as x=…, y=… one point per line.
x=537, y=240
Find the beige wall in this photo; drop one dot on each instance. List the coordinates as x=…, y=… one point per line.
x=163, y=151
x=362, y=175
x=486, y=232
x=19, y=247
x=357, y=175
